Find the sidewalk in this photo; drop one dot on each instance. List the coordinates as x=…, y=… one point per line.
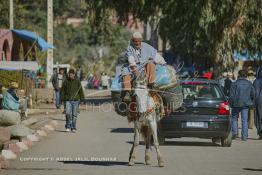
x=41, y=122
x=44, y=109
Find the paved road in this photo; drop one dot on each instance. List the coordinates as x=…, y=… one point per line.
x=105, y=135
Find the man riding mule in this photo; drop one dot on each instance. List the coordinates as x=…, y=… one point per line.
x=136, y=93
x=140, y=55
x=139, y=77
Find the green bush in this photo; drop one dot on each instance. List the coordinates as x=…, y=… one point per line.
x=6, y=77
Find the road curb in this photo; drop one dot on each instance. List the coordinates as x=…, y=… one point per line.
x=4, y=163
x=11, y=153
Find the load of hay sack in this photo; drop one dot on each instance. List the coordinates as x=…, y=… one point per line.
x=169, y=88
x=166, y=85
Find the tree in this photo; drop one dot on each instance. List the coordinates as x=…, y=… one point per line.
x=203, y=28
x=93, y=40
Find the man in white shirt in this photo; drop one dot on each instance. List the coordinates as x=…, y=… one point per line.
x=105, y=81
x=57, y=82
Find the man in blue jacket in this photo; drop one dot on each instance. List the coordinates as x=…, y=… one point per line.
x=241, y=98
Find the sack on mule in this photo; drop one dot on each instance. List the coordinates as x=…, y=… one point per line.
x=165, y=75
x=172, y=97
x=9, y=102
x=20, y=130
x=116, y=83
x=8, y=118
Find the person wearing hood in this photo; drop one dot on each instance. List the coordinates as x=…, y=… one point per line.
x=258, y=102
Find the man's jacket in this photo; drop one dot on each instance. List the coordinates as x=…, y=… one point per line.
x=72, y=90
x=242, y=93
x=9, y=102
x=55, y=81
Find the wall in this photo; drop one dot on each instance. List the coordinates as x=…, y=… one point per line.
x=6, y=43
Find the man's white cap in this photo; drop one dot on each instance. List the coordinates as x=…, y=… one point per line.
x=137, y=35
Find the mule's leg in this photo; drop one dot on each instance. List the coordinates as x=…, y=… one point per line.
x=153, y=127
x=147, y=142
x=132, y=154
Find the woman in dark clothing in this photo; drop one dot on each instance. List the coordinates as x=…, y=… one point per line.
x=258, y=102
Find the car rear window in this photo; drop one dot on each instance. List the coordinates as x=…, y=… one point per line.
x=201, y=91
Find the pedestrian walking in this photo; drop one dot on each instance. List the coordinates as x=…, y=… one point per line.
x=258, y=102
x=90, y=81
x=241, y=98
x=251, y=77
x=228, y=81
x=96, y=81
x=105, y=80
x=79, y=73
x=57, y=81
x=222, y=79
x=72, y=93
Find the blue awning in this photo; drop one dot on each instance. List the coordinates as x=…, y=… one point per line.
x=31, y=36
x=246, y=56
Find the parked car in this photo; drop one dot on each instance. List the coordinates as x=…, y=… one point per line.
x=205, y=113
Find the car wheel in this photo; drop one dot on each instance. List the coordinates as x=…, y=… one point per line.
x=227, y=141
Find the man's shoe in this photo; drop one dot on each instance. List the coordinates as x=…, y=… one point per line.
x=234, y=137
x=127, y=97
x=74, y=130
x=67, y=130
x=244, y=139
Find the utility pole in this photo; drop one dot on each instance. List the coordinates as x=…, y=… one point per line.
x=11, y=14
x=49, y=64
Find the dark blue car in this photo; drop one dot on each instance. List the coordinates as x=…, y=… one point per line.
x=205, y=114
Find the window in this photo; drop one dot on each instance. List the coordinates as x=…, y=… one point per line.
x=201, y=91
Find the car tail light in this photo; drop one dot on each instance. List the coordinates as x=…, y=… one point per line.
x=224, y=108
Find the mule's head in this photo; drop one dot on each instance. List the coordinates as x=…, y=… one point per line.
x=140, y=82
x=141, y=92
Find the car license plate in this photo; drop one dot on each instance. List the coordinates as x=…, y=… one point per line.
x=195, y=124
